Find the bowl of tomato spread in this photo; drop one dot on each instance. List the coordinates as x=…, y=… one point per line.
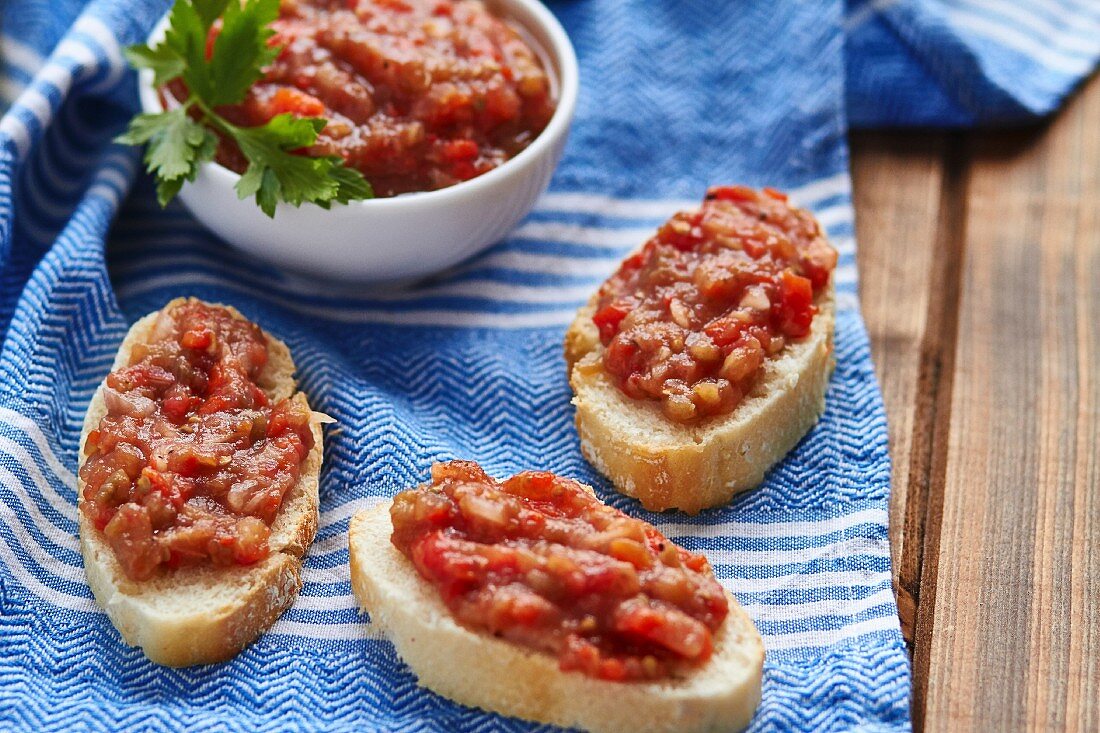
x=455, y=111
x=540, y=561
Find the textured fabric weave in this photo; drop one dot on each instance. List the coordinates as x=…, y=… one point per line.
x=676, y=95
x=965, y=62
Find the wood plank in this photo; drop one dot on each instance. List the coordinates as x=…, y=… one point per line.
x=910, y=211
x=1015, y=627
x=898, y=186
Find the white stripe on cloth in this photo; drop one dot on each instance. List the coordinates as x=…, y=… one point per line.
x=626, y=208
x=866, y=12
x=432, y=314
x=57, y=73
x=1082, y=36
x=831, y=607
x=44, y=592
x=776, y=530
x=799, y=640
x=60, y=536
x=761, y=612
x=436, y=316
x=328, y=632
x=79, y=52
x=14, y=52
x=1020, y=41
x=775, y=642
x=587, y=236
x=495, y=290
x=677, y=530
x=32, y=431
x=93, y=27
x=828, y=637
x=346, y=511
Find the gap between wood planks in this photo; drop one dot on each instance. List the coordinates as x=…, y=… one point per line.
x=961, y=234
x=919, y=391
x=916, y=580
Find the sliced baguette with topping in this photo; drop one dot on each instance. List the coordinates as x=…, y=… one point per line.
x=706, y=356
x=667, y=465
x=206, y=614
x=479, y=670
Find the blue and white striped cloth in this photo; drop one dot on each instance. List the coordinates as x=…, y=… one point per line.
x=965, y=62
x=677, y=94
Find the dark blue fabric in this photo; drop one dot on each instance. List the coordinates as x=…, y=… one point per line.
x=959, y=63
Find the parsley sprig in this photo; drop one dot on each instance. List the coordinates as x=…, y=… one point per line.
x=181, y=139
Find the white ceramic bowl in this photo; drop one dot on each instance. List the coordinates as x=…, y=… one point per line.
x=407, y=236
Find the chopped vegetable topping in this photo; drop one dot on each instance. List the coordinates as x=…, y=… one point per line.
x=540, y=561
x=691, y=319
x=418, y=94
x=191, y=462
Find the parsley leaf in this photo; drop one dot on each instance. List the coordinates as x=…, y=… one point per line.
x=241, y=50
x=352, y=184
x=187, y=36
x=274, y=173
x=181, y=139
x=177, y=146
x=163, y=60
x=209, y=10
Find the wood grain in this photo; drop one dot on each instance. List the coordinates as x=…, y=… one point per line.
x=1015, y=630
x=980, y=271
x=898, y=185
x=911, y=210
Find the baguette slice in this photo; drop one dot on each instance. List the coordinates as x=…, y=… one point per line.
x=666, y=465
x=479, y=670
x=205, y=614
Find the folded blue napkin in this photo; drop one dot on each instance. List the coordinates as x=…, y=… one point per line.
x=676, y=95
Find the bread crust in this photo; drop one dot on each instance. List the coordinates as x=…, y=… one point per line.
x=478, y=670
x=666, y=465
x=205, y=614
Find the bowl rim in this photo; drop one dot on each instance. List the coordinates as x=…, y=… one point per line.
x=561, y=53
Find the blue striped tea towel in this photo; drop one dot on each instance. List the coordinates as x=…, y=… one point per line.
x=677, y=94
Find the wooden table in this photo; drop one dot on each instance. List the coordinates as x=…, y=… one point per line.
x=980, y=267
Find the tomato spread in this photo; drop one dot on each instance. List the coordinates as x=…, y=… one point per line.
x=690, y=319
x=540, y=561
x=418, y=94
x=192, y=460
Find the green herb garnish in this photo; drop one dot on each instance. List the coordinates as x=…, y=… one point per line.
x=181, y=139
